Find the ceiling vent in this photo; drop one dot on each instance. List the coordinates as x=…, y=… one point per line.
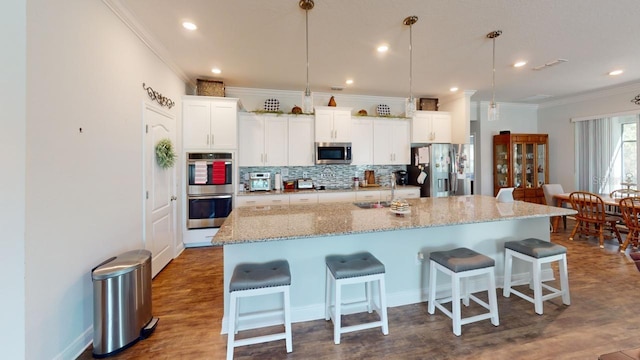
x=337, y=88
x=550, y=63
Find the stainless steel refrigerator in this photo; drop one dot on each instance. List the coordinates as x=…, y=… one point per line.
x=442, y=169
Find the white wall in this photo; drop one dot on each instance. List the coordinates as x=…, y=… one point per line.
x=554, y=118
x=12, y=178
x=518, y=118
x=85, y=69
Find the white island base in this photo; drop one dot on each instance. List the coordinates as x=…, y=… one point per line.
x=399, y=250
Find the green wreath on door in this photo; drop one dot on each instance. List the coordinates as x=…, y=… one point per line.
x=165, y=155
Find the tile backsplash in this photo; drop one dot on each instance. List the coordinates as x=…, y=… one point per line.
x=331, y=176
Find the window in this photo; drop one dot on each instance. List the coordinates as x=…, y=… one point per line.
x=606, y=153
x=629, y=152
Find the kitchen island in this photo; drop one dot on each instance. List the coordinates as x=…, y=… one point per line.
x=305, y=234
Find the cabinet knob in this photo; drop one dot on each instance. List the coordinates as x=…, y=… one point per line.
x=174, y=198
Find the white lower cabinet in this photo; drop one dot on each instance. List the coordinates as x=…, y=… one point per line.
x=303, y=198
x=262, y=200
x=367, y=195
x=411, y=193
x=330, y=197
x=324, y=197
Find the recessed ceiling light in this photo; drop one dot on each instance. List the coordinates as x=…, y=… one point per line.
x=520, y=64
x=383, y=48
x=454, y=89
x=616, y=72
x=349, y=82
x=189, y=25
x=216, y=71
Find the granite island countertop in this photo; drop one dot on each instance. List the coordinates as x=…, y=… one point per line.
x=282, y=222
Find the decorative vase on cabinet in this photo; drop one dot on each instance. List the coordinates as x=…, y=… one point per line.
x=521, y=161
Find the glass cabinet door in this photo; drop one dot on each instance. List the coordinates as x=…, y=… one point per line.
x=518, y=165
x=541, y=158
x=529, y=167
x=502, y=165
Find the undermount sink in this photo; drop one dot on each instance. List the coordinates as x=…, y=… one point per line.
x=372, y=204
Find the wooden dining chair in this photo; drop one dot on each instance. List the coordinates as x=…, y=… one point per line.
x=630, y=208
x=619, y=194
x=591, y=219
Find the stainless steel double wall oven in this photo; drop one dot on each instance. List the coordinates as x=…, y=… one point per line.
x=209, y=188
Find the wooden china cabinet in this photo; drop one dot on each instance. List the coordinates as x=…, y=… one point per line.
x=521, y=161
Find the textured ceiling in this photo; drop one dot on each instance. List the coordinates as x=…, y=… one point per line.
x=261, y=44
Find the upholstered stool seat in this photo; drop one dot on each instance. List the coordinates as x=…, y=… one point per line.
x=253, y=279
x=352, y=269
x=460, y=264
x=537, y=252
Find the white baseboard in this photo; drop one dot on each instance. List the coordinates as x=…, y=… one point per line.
x=77, y=347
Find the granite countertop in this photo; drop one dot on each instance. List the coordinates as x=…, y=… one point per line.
x=271, y=223
x=345, y=189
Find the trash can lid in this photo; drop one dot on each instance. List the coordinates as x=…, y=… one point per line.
x=122, y=264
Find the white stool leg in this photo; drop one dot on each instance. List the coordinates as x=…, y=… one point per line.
x=465, y=291
x=383, y=306
x=368, y=293
x=455, y=304
x=537, y=286
x=493, y=300
x=431, y=307
x=287, y=319
x=337, y=319
x=327, y=296
x=231, y=325
x=564, y=280
x=508, y=263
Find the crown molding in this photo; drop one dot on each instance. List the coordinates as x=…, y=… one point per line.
x=124, y=14
x=593, y=95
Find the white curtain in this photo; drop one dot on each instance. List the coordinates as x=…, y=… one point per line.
x=595, y=153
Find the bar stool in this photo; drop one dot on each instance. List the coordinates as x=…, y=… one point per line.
x=352, y=269
x=460, y=264
x=253, y=279
x=537, y=252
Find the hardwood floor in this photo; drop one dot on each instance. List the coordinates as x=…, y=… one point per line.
x=602, y=318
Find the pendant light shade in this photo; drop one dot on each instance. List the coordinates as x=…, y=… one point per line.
x=410, y=106
x=307, y=5
x=493, y=114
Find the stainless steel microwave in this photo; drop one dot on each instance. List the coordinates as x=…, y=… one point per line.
x=333, y=153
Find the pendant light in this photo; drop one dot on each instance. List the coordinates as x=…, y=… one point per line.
x=493, y=107
x=307, y=5
x=410, y=107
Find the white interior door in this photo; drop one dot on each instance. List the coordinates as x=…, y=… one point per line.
x=160, y=190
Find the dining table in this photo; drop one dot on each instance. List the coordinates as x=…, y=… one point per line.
x=561, y=199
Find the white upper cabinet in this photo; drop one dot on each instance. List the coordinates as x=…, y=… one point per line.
x=391, y=142
x=362, y=141
x=209, y=122
x=301, y=144
x=333, y=124
x=263, y=140
x=431, y=127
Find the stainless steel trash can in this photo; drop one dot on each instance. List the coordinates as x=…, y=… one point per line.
x=121, y=302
